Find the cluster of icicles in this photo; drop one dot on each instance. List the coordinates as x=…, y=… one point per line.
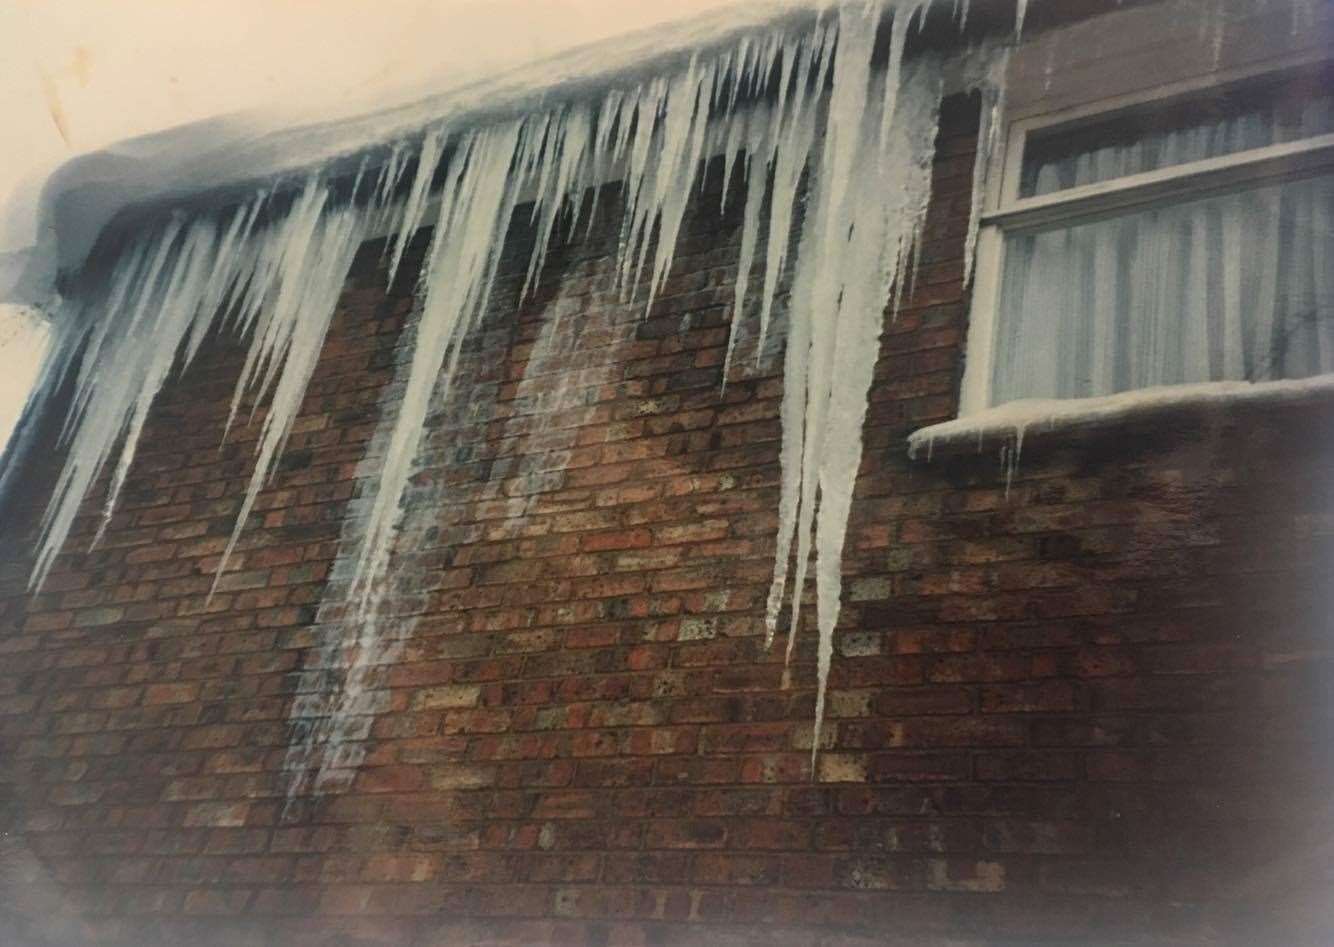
x=776, y=106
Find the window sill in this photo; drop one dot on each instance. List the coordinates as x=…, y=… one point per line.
x=1016, y=419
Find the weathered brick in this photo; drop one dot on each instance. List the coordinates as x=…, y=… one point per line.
x=447, y=696
x=217, y=814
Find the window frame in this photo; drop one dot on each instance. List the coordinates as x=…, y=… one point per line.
x=1004, y=212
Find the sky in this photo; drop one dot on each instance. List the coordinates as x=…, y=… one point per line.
x=78, y=75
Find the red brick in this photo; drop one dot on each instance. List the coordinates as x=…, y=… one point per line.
x=171, y=693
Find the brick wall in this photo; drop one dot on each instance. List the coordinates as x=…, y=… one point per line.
x=1095, y=707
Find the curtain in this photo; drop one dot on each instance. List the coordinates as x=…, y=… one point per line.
x=1278, y=123
x=1236, y=286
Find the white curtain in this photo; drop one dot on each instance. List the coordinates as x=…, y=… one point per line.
x=1236, y=286
x=1166, y=148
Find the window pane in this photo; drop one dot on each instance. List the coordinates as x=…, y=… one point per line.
x=1238, y=286
x=1221, y=124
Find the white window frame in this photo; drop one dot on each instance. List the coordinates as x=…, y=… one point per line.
x=1005, y=212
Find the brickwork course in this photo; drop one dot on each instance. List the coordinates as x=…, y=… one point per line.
x=1092, y=706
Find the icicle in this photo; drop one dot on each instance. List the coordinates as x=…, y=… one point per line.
x=302, y=310
x=855, y=247
x=789, y=162
x=678, y=151
x=428, y=160
x=757, y=133
x=165, y=293
x=475, y=209
x=734, y=149
x=799, y=133
x=563, y=169
x=180, y=313
x=1010, y=452
x=143, y=267
x=383, y=211
x=819, y=282
x=757, y=178
x=634, y=242
x=154, y=310
x=1020, y=14
x=110, y=405
x=601, y=150
x=225, y=280
x=991, y=124
x=281, y=256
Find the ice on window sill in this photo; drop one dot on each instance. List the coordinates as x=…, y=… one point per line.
x=1017, y=419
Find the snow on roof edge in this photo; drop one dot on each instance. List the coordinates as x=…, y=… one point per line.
x=88, y=196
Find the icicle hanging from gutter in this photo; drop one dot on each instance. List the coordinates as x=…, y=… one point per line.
x=153, y=310
x=862, y=228
x=860, y=135
x=280, y=282
x=309, y=285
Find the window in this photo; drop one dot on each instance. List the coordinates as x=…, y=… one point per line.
x=1185, y=240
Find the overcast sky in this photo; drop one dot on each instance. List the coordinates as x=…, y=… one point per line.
x=77, y=75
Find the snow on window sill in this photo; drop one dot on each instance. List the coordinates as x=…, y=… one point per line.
x=1014, y=420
